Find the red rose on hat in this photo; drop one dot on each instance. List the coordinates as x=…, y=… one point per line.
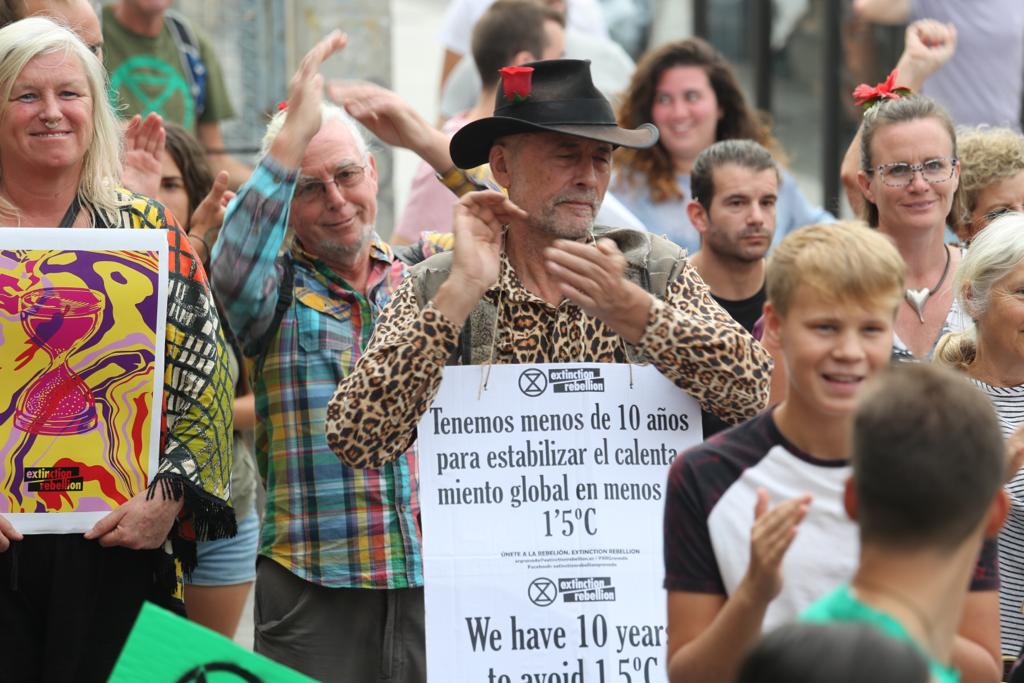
x=517, y=82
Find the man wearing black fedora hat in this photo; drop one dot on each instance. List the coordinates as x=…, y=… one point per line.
x=500, y=296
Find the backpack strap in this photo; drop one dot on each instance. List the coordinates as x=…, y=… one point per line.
x=192, y=63
x=285, y=297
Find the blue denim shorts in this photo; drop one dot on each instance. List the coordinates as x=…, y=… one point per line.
x=228, y=561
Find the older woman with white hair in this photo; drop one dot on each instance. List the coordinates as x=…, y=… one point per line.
x=989, y=284
x=68, y=601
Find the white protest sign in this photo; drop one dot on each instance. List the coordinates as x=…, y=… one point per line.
x=542, y=496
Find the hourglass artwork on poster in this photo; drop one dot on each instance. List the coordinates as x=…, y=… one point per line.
x=81, y=362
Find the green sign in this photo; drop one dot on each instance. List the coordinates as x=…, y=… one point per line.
x=163, y=647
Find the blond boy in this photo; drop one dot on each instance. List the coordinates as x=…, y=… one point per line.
x=832, y=297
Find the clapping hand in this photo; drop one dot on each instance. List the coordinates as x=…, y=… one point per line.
x=478, y=224
x=1015, y=453
x=144, y=148
x=392, y=119
x=209, y=215
x=305, y=95
x=592, y=276
x=771, y=536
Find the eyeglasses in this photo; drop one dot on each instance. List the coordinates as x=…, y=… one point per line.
x=308, y=189
x=999, y=213
x=901, y=174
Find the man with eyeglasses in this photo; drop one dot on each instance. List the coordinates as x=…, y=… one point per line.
x=339, y=575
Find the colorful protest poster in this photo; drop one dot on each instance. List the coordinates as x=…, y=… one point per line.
x=82, y=325
x=542, y=492
x=165, y=648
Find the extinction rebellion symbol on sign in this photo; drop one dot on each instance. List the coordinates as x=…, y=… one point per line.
x=533, y=382
x=542, y=592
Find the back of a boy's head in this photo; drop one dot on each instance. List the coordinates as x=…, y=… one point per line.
x=928, y=458
x=845, y=262
x=850, y=652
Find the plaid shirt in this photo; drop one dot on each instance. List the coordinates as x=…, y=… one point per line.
x=325, y=522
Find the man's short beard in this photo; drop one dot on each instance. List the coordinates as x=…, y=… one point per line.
x=336, y=252
x=547, y=222
x=727, y=250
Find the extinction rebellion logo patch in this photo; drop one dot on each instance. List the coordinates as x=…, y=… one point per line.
x=533, y=382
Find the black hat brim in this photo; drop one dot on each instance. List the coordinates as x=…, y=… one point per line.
x=471, y=145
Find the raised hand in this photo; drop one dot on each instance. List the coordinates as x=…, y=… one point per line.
x=139, y=524
x=593, y=276
x=209, y=215
x=392, y=119
x=305, y=94
x=144, y=148
x=928, y=45
x=773, y=532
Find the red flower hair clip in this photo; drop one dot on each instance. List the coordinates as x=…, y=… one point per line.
x=866, y=96
x=517, y=82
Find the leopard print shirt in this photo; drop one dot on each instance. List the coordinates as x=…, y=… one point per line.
x=373, y=415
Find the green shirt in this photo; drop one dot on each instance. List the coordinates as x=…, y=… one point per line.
x=842, y=606
x=146, y=75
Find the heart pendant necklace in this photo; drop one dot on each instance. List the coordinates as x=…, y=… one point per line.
x=917, y=298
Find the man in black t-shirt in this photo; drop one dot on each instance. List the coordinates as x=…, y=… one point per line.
x=735, y=184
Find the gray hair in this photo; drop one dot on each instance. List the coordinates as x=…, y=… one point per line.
x=328, y=112
x=994, y=253
x=23, y=41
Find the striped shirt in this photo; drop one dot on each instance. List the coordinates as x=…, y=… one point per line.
x=1009, y=405
x=327, y=523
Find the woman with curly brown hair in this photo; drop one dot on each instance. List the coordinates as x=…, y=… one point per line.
x=690, y=92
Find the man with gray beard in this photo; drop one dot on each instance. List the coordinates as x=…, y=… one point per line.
x=735, y=185
x=339, y=576
x=533, y=280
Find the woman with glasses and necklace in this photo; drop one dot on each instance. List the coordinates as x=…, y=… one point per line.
x=910, y=179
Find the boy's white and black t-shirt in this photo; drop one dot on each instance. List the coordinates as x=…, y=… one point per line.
x=709, y=511
x=1009, y=405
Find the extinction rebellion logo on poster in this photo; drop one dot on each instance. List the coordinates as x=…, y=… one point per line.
x=54, y=479
x=592, y=589
x=534, y=382
x=542, y=591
